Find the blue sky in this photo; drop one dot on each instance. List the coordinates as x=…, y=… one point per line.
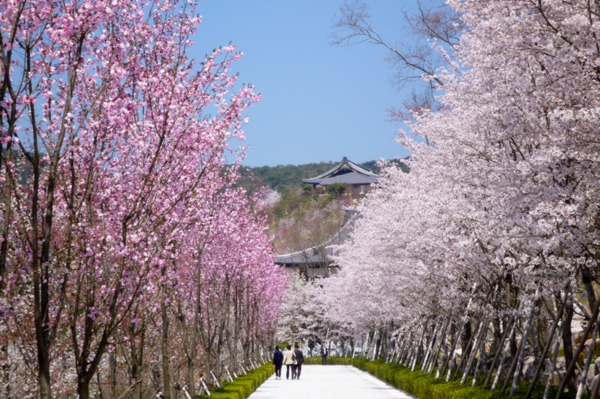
x=320, y=102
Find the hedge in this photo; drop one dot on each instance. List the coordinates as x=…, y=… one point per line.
x=426, y=386
x=243, y=386
x=336, y=361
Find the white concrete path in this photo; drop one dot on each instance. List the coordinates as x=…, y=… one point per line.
x=328, y=382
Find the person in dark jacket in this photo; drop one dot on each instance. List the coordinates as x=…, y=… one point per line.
x=299, y=360
x=324, y=354
x=277, y=362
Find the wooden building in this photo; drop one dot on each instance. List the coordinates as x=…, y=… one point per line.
x=316, y=261
x=346, y=172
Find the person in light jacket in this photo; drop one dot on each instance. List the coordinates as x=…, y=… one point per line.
x=289, y=359
x=277, y=362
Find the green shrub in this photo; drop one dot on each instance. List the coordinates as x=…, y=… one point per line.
x=426, y=386
x=339, y=361
x=238, y=390
x=243, y=386
x=250, y=382
x=336, y=189
x=221, y=395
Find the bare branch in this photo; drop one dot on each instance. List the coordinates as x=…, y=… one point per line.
x=415, y=60
x=438, y=22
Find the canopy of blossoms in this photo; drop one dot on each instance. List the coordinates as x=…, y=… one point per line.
x=129, y=263
x=499, y=215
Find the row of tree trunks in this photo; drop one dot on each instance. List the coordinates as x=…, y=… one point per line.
x=434, y=345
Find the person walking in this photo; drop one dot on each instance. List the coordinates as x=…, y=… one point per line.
x=288, y=360
x=299, y=360
x=277, y=362
x=324, y=355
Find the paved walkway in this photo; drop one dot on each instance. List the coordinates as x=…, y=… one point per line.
x=328, y=382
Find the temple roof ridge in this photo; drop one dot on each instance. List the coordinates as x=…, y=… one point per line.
x=334, y=175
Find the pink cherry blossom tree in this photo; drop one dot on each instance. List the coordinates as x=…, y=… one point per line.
x=114, y=141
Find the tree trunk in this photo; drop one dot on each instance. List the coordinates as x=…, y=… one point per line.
x=473, y=352
x=5, y=378
x=549, y=340
x=8, y=210
x=513, y=366
x=195, y=327
x=504, y=354
x=587, y=279
x=498, y=351
x=588, y=361
x=83, y=388
x=190, y=378
x=513, y=345
x=137, y=357
x=465, y=338
x=112, y=360
x=165, y=344
x=136, y=374
x=433, y=340
x=418, y=349
x=44, y=375
x=465, y=351
x=552, y=367
x=569, y=374
x=496, y=321
x=450, y=362
x=568, y=341
x=517, y=371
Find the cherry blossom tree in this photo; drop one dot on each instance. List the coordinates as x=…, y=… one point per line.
x=498, y=215
x=114, y=152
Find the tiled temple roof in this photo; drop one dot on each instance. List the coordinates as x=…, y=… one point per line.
x=345, y=172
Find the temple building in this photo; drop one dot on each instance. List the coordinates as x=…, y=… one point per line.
x=316, y=261
x=346, y=172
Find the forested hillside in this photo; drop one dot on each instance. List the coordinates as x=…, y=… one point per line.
x=298, y=216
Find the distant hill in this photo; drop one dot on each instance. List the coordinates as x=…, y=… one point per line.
x=284, y=177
